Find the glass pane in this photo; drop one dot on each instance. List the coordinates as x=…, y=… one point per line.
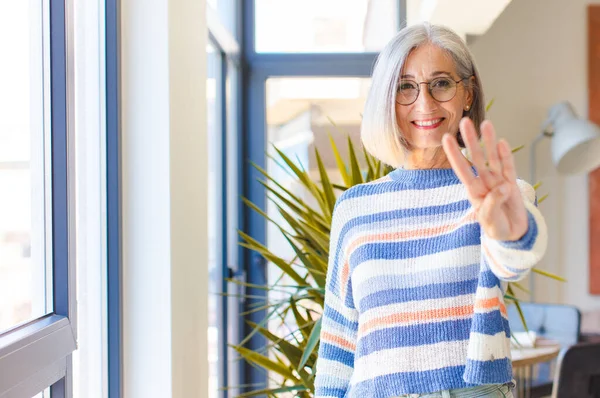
x=324, y=26
x=227, y=12
x=213, y=98
x=477, y=21
x=234, y=321
x=24, y=219
x=44, y=394
x=300, y=112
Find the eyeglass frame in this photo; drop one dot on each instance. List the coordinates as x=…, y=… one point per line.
x=429, y=88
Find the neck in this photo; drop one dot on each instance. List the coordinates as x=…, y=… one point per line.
x=428, y=158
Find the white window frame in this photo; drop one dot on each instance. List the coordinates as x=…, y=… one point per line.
x=37, y=355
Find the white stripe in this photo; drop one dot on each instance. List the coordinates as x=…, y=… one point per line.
x=410, y=359
x=388, y=201
x=333, y=368
x=372, y=285
x=417, y=306
x=484, y=293
x=461, y=256
x=483, y=347
x=332, y=327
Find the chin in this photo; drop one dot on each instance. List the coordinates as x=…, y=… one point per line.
x=427, y=142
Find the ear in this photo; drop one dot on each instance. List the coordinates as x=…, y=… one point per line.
x=469, y=95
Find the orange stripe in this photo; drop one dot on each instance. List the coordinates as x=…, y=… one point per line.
x=486, y=304
x=406, y=317
x=345, y=274
x=331, y=338
x=418, y=233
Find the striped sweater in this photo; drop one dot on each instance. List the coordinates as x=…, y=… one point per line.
x=414, y=294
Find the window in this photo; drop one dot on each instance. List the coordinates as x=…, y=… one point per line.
x=227, y=14
x=25, y=205
x=37, y=315
x=290, y=26
x=321, y=57
x=223, y=95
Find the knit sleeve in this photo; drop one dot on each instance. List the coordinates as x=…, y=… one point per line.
x=339, y=326
x=512, y=260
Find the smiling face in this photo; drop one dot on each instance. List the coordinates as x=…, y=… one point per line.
x=426, y=120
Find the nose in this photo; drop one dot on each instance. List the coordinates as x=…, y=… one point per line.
x=425, y=102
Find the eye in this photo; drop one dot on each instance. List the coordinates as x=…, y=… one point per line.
x=442, y=83
x=407, y=86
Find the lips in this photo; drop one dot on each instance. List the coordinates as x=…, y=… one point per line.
x=428, y=124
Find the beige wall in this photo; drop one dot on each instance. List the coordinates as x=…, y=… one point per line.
x=532, y=57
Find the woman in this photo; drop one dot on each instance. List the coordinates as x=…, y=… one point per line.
x=419, y=259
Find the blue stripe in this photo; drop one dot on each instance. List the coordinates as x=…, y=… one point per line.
x=330, y=392
x=518, y=271
x=490, y=323
x=430, y=277
x=488, y=279
x=413, y=335
x=400, y=383
x=498, y=371
x=334, y=353
x=428, y=292
x=331, y=314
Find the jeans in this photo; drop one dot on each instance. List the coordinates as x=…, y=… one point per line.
x=486, y=391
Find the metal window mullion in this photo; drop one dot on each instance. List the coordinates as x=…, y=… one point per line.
x=254, y=224
x=314, y=65
x=61, y=344
x=223, y=326
x=401, y=22
x=113, y=200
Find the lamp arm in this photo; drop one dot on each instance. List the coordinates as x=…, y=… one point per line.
x=543, y=134
x=532, y=164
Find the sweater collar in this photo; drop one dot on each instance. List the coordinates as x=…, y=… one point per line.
x=425, y=176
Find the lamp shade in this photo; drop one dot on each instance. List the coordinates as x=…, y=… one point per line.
x=575, y=142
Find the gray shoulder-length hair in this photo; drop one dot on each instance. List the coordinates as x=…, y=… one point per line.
x=380, y=133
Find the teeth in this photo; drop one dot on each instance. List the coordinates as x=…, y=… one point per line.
x=427, y=123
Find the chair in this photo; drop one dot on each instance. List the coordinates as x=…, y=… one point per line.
x=561, y=323
x=578, y=373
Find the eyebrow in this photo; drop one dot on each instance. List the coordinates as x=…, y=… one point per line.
x=436, y=73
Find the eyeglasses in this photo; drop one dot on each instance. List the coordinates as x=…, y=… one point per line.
x=442, y=89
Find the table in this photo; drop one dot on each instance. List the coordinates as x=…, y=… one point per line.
x=523, y=360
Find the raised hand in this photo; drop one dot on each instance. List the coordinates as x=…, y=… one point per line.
x=493, y=192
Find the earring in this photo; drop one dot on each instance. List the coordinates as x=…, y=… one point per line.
x=467, y=107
